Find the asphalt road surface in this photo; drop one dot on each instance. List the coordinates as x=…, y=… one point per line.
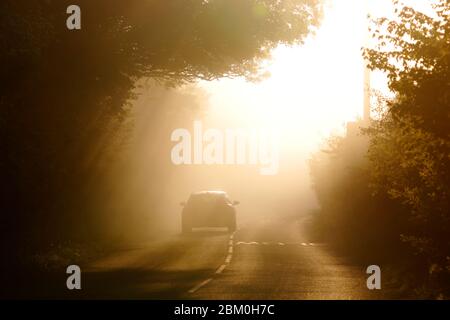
x=265, y=261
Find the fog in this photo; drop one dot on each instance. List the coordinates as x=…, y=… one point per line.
x=146, y=186
x=308, y=97
x=291, y=104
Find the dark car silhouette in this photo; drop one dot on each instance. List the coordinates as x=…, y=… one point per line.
x=208, y=209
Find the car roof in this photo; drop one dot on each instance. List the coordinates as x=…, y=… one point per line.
x=209, y=193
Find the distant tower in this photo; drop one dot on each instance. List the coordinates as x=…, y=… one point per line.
x=354, y=127
x=367, y=88
x=367, y=84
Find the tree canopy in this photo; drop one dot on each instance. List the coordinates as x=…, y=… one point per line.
x=64, y=93
x=414, y=51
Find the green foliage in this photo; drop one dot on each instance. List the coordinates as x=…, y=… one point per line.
x=351, y=216
x=414, y=51
x=410, y=146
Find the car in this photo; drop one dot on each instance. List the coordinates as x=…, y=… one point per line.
x=208, y=209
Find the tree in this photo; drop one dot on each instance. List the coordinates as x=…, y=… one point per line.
x=414, y=51
x=399, y=206
x=410, y=146
x=64, y=94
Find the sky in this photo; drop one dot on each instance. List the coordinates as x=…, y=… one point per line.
x=315, y=88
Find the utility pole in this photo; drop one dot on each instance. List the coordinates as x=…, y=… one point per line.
x=366, y=78
x=367, y=88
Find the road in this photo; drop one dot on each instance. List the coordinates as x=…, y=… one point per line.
x=264, y=261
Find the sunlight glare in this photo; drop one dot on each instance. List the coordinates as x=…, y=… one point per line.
x=314, y=89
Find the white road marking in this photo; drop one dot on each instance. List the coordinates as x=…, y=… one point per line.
x=204, y=283
x=221, y=268
x=242, y=242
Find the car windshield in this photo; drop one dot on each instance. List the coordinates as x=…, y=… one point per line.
x=207, y=199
